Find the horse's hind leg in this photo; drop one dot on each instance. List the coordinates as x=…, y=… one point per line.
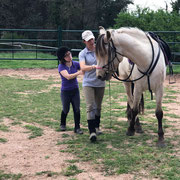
x=159, y=115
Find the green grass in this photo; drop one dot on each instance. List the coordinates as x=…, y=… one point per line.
x=27, y=101
x=23, y=100
x=48, y=173
x=3, y=140
x=35, y=131
x=15, y=64
x=71, y=170
x=3, y=128
x=9, y=176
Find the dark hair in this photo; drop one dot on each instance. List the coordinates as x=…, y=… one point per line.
x=61, y=53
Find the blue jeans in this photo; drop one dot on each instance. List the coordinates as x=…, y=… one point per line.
x=71, y=97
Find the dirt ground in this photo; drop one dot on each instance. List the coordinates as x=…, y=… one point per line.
x=21, y=155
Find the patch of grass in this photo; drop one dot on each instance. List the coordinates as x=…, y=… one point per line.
x=14, y=64
x=71, y=170
x=9, y=176
x=73, y=161
x=47, y=157
x=3, y=140
x=4, y=128
x=16, y=123
x=35, y=131
x=172, y=115
x=64, y=135
x=48, y=173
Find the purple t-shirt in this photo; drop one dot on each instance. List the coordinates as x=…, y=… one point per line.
x=72, y=83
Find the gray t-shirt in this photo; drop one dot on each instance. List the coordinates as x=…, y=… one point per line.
x=90, y=78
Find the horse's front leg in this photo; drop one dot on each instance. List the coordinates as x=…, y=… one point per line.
x=159, y=115
x=138, y=127
x=128, y=88
x=134, y=112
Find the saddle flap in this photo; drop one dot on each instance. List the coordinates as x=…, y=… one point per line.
x=164, y=47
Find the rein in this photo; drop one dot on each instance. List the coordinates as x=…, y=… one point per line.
x=111, y=59
x=147, y=73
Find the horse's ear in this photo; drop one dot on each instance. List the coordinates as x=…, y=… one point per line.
x=108, y=35
x=102, y=30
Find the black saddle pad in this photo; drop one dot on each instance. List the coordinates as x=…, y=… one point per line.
x=164, y=46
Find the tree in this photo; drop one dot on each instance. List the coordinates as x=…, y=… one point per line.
x=176, y=6
x=148, y=20
x=22, y=13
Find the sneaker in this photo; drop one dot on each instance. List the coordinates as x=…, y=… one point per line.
x=98, y=131
x=78, y=131
x=92, y=137
x=63, y=127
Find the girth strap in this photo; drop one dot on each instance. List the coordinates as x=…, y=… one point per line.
x=151, y=67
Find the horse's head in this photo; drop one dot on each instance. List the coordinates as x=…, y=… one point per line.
x=106, y=55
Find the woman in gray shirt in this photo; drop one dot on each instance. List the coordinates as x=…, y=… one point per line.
x=93, y=88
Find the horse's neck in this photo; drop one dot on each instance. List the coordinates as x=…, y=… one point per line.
x=135, y=49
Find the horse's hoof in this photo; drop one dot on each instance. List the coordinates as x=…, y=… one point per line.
x=160, y=144
x=139, y=130
x=130, y=133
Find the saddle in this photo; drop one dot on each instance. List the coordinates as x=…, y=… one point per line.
x=167, y=54
x=164, y=47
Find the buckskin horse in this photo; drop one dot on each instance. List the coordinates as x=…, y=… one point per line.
x=149, y=71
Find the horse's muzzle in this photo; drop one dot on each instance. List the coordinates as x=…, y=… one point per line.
x=101, y=78
x=106, y=77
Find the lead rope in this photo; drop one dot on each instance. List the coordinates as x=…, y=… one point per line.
x=110, y=104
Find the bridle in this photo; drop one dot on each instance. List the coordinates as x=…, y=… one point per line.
x=112, y=51
x=112, y=55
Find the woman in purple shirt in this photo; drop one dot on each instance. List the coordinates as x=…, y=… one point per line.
x=69, y=70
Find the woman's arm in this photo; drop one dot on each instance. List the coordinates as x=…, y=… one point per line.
x=85, y=67
x=68, y=76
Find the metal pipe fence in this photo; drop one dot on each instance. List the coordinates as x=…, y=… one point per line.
x=38, y=41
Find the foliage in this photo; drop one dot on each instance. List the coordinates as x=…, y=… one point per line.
x=148, y=20
x=78, y=14
x=176, y=6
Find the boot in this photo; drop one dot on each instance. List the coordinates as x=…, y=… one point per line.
x=92, y=130
x=97, y=123
x=63, y=121
x=77, y=129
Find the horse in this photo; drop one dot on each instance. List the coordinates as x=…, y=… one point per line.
x=148, y=74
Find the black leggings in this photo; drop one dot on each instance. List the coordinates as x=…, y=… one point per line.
x=71, y=97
